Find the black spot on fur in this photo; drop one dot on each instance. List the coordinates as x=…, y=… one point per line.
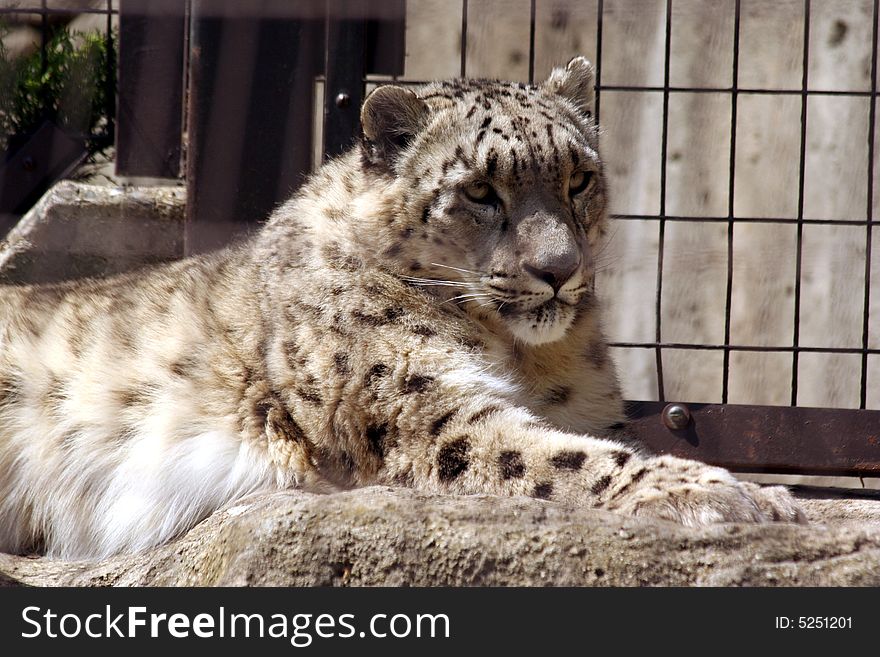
x=375, y=372
x=486, y=123
x=370, y=320
x=282, y=423
x=310, y=395
x=348, y=463
x=511, y=465
x=557, y=395
x=405, y=477
x=438, y=424
x=338, y=325
x=137, y=395
x=425, y=212
x=423, y=330
x=543, y=490
x=481, y=135
x=621, y=458
x=376, y=439
x=393, y=313
x=452, y=459
x=491, y=164
x=393, y=250
x=55, y=395
x=417, y=383
x=601, y=484
x=336, y=259
x=597, y=354
x=636, y=478
x=479, y=415
x=340, y=363
x=471, y=343
x=568, y=459
x=10, y=388
x=183, y=367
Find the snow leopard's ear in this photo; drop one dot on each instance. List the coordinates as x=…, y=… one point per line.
x=575, y=82
x=391, y=116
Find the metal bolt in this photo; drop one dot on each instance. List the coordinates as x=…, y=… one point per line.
x=28, y=163
x=342, y=100
x=676, y=416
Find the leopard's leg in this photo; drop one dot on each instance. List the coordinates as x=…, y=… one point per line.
x=488, y=445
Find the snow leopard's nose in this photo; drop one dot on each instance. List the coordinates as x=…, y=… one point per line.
x=548, y=248
x=555, y=274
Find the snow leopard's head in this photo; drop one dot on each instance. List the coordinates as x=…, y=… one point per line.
x=503, y=193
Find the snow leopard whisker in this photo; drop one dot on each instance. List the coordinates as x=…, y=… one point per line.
x=466, y=271
x=462, y=298
x=427, y=282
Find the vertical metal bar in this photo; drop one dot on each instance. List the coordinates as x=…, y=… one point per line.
x=599, y=11
x=110, y=73
x=532, y=43
x=663, y=147
x=869, y=216
x=800, y=206
x=44, y=37
x=464, y=36
x=344, y=69
x=728, y=299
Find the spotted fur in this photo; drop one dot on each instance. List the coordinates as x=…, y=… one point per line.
x=421, y=313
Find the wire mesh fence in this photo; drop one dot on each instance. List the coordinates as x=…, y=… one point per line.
x=739, y=140
x=739, y=137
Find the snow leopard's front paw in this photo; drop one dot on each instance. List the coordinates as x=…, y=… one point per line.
x=696, y=494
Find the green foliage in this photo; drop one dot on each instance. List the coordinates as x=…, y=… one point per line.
x=70, y=88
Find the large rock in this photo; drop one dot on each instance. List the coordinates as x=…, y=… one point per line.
x=78, y=230
x=382, y=536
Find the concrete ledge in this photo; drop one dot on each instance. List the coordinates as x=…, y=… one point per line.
x=78, y=230
x=393, y=537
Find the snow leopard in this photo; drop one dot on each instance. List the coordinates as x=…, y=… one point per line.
x=421, y=313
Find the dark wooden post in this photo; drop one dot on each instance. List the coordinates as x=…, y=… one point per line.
x=251, y=103
x=150, y=101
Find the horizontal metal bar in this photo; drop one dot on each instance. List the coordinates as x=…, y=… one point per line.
x=743, y=347
x=782, y=439
x=747, y=220
x=55, y=12
x=741, y=90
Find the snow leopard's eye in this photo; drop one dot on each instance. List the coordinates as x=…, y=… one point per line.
x=480, y=192
x=579, y=181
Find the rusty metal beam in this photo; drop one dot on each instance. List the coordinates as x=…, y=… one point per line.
x=816, y=441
